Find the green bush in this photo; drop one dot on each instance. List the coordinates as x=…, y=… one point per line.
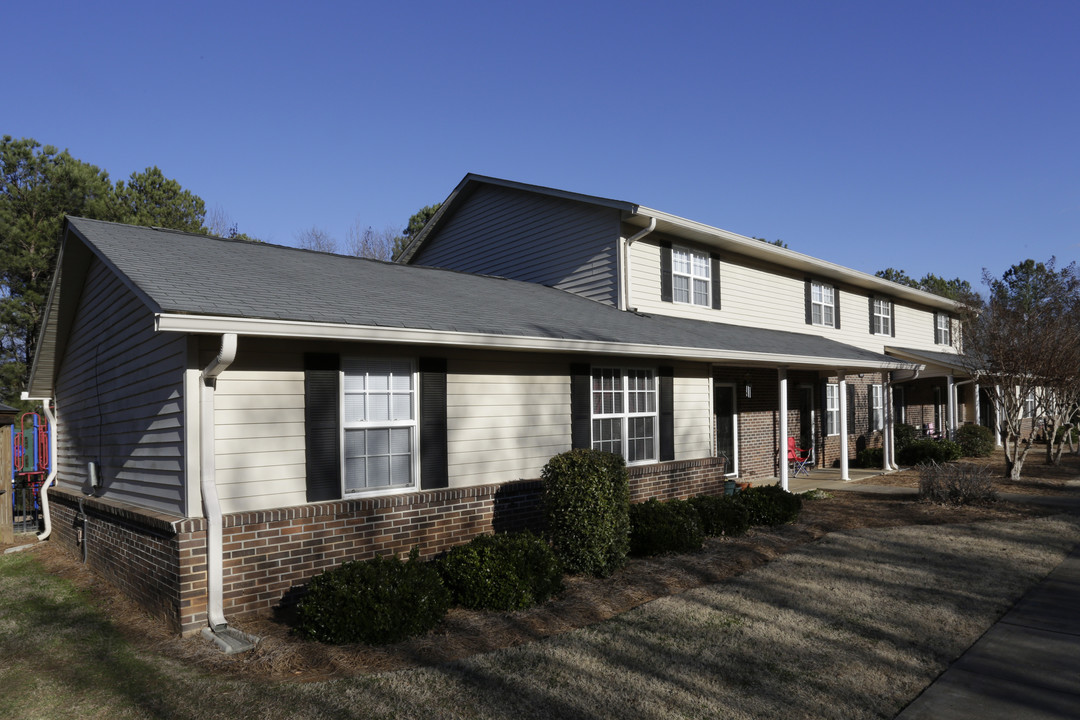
x=721, y=515
x=870, y=458
x=975, y=440
x=587, y=509
x=376, y=601
x=659, y=527
x=501, y=572
x=770, y=504
x=904, y=435
x=956, y=484
x=928, y=450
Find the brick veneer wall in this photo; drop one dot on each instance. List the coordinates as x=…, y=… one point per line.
x=160, y=560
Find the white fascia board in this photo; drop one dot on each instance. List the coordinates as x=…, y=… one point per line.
x=725, y=239
x=254, y=327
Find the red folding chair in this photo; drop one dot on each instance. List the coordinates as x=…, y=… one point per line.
x=798, y=458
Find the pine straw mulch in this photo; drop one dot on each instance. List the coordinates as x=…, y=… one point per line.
x=584, y=601
x=1037, y=477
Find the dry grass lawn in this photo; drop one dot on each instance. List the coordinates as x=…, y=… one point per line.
x=848, y=613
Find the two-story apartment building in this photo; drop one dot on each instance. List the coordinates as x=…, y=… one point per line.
x=233, y=417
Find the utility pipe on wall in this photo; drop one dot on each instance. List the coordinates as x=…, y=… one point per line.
x=51, y=479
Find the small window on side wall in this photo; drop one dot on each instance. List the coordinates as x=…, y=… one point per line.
x=942, y=329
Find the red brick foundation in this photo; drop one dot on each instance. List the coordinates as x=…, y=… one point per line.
x=160, y=560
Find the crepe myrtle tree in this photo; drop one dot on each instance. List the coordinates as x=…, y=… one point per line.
x=1021, y=344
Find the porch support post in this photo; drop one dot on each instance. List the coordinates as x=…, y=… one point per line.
x=782, y=375
x=841, y=389
x=978, y=404
x=887, y=431
x=950, y=412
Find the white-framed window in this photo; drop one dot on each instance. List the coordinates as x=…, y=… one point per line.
x=691, y=278
x=823, y=304
x=943, y=329
x=883, y=317
x=1029, y=405
x=379, y=410
x=832, y=409
x=877, y=407
x=624, y=413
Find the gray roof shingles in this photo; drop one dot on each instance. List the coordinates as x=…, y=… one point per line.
x=194, y=274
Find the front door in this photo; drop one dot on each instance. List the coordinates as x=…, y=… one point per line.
x=727, y=426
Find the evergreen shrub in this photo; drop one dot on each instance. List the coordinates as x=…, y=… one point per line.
x=975, y=440
x=376, y=601
x=770, y=504
x=904, y=435
x=721, y=515
x=510, y=571
x=587, y=509
x=659, y=527
x=870, y=458
x=928, y=450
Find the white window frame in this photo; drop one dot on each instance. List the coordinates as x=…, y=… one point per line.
x=877, y=407
x=412, y=424
x=621, y=409
x=944, y=328
x=832, y=409
x=822, y=304
x=692, y=267
x=1029, y=404
x=883, y=312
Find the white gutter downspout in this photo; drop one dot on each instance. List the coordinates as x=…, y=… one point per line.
x=228, y=639
x=627, y=305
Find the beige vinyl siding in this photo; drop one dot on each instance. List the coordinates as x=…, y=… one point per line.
x=552, y=241
x=693, y=412
x=757, y=295
x=259, y=434
x=119, y=393
x=505, y=419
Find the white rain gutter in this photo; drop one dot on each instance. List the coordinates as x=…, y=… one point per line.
x=228, y=639
x=51, y=479
x=627, y=304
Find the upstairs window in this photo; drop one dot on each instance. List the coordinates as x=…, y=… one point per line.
x=822, y=304
x=882, y=317
x=942, y=329
x=690, y=277
x=624, y=413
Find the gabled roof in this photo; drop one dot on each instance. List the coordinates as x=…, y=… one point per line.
x=199, y=284
x=672, y=225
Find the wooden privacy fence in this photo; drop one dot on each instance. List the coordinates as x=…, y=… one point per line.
x=7, y=530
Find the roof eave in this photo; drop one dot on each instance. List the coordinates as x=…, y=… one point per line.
x=256, y=327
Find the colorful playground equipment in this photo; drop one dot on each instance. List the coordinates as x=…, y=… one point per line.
x=29, y=467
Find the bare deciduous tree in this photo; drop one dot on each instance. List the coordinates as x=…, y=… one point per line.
x=1020, y=343
x=315, y=238
x=363, y=241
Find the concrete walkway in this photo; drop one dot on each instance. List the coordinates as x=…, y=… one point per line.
x=1027, y=665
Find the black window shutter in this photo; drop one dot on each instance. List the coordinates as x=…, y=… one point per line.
x=580, y=406
x=836, y=307
x=321, y=427
x=809, y=305
x=937, y=332
x=433, y=452
x=892, y=318
x=665, y=271
x=666, y=377
x=714, y=273
x=872, y=328
x=851, y=409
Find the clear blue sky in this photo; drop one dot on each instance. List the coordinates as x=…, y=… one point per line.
x=929, y=136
